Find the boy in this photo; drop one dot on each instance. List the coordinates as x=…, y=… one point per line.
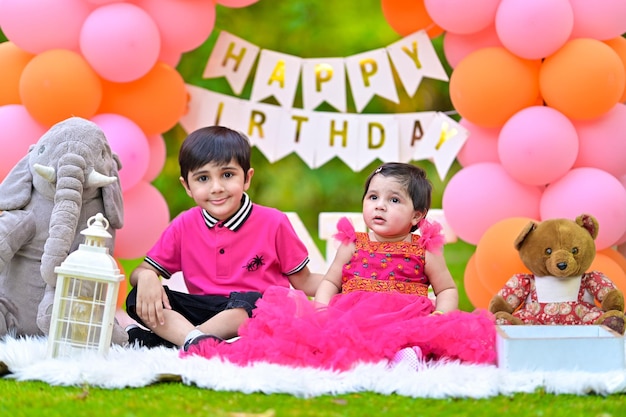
x=228, y=249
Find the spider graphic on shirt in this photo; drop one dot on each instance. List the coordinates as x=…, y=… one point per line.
x=254, y=263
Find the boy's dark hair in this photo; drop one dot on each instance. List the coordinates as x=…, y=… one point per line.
x=412, y=177
x=216, y=144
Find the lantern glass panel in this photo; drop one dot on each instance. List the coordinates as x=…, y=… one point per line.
x=82, y=305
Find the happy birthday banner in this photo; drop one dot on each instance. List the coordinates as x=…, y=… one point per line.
x=318, y=136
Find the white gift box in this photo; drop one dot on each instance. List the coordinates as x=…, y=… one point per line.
x=587, y=348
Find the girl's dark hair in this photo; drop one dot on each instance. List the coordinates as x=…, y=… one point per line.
x=410, y=176
x=216, y=144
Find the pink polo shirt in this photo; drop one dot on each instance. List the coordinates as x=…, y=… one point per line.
x=255, y=248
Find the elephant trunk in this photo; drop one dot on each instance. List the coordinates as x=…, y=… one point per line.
x=65, y=215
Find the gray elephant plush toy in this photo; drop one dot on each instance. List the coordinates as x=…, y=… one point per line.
x=69, y=175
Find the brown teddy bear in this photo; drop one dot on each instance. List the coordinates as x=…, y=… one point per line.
x=558, y=252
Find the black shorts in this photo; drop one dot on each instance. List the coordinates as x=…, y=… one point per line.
x=199, y=308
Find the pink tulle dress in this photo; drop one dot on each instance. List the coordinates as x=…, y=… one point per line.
x=383, y=307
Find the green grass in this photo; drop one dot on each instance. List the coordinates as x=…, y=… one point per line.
x=35, y=398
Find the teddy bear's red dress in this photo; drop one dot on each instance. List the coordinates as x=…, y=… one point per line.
x=520, y=290
x=383, y=307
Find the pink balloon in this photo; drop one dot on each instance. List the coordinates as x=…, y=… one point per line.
x=483, y=194
x=18, y=130
x=592, y=191
x=184, y=25
x=457, y=46
x=129, y=142
x=120, y=41
x=537, y=145
x=534, y=29
x=146, y=215
x=622, y=180
x=158, y=154
x=39, y=25
x=481, y=145
x=622, y=240
x=462, y=16
x=603, y=142
x=600, y=20
x=236, y=3
x=101, y=2
x=169, y=56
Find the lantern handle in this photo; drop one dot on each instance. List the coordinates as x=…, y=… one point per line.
x=100, y=219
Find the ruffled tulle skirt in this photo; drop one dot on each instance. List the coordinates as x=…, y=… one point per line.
x=289, y=329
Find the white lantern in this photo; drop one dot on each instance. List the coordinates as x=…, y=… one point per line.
x=85, y=297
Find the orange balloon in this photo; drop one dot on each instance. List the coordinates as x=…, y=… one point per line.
x=615, y=255
x=476, y=292
x=619, y=46
x=409, y=16
x=123, y=290
x=612, y=269
x=497, y=260
x=583, y=80
x=155, y=102
x=12, y=63
x=57, y=84
x=491, y=84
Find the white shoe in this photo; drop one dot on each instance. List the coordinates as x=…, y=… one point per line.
x=409, y=356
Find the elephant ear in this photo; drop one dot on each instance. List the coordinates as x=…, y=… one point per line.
x=17, y=187
x=112, y=197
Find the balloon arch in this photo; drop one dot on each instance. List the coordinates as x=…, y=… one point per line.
x=541, y=88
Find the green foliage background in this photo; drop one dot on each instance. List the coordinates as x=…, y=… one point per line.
x=306, y=29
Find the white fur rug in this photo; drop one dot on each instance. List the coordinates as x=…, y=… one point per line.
x=135, y=367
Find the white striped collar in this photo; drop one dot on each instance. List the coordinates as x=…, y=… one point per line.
x=235, y=221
